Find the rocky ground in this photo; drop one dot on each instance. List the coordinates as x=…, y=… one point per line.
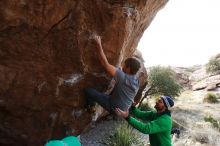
x=97, y=134
x=189, y=113
x=102, y=130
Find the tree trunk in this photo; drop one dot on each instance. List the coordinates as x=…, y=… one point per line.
x=145, y=95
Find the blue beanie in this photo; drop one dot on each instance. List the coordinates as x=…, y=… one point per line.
x=168, y=101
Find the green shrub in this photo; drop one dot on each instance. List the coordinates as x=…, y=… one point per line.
x=213, y=65
x=124, y=136
x=161, y=81
x=210, y=98
x=212, y=121
x=145, y=106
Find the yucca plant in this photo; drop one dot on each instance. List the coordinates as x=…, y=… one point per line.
x=124, y=136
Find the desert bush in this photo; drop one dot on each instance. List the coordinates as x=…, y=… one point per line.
x=210, y=98
x=124, y=136
x=145, y=106
x=213, y=65
x=161, y=81
x=213, y=121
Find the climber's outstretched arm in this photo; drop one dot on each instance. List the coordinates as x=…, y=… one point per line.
x=104, y=61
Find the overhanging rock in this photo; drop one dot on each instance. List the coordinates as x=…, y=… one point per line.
x=47, y=58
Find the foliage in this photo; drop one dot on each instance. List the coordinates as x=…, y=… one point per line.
x=212, y=120
x=210, y=98
x=124, y=136
x=213, y=65
x=145, y=106
x=162, y=82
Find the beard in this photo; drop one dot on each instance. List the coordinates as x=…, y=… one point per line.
x=158, y=108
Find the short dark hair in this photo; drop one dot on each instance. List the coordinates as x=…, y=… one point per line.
x=133, y=64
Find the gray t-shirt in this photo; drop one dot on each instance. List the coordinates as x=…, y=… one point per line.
x=126, y=88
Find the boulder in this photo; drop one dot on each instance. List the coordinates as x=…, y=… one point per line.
x=47, y=58
x=210, y=83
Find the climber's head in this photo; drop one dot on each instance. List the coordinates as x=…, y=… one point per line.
x=131, y=66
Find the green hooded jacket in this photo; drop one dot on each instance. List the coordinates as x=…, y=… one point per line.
x=158, y=127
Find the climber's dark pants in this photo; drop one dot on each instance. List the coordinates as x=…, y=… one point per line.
x=95, y=96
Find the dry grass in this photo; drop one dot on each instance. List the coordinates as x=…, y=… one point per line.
x=210, y=98
x=189, y=112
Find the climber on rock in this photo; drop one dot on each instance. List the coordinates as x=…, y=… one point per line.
x=126, y=83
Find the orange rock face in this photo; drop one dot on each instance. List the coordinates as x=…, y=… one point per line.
x=47, y=58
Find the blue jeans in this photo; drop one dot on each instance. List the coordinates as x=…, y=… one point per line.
x=95, y=96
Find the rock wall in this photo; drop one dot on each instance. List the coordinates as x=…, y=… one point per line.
x=47, y=58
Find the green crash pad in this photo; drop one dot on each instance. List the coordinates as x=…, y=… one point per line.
x=67, y=141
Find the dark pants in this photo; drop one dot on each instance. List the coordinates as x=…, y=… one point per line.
x=102, y=99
